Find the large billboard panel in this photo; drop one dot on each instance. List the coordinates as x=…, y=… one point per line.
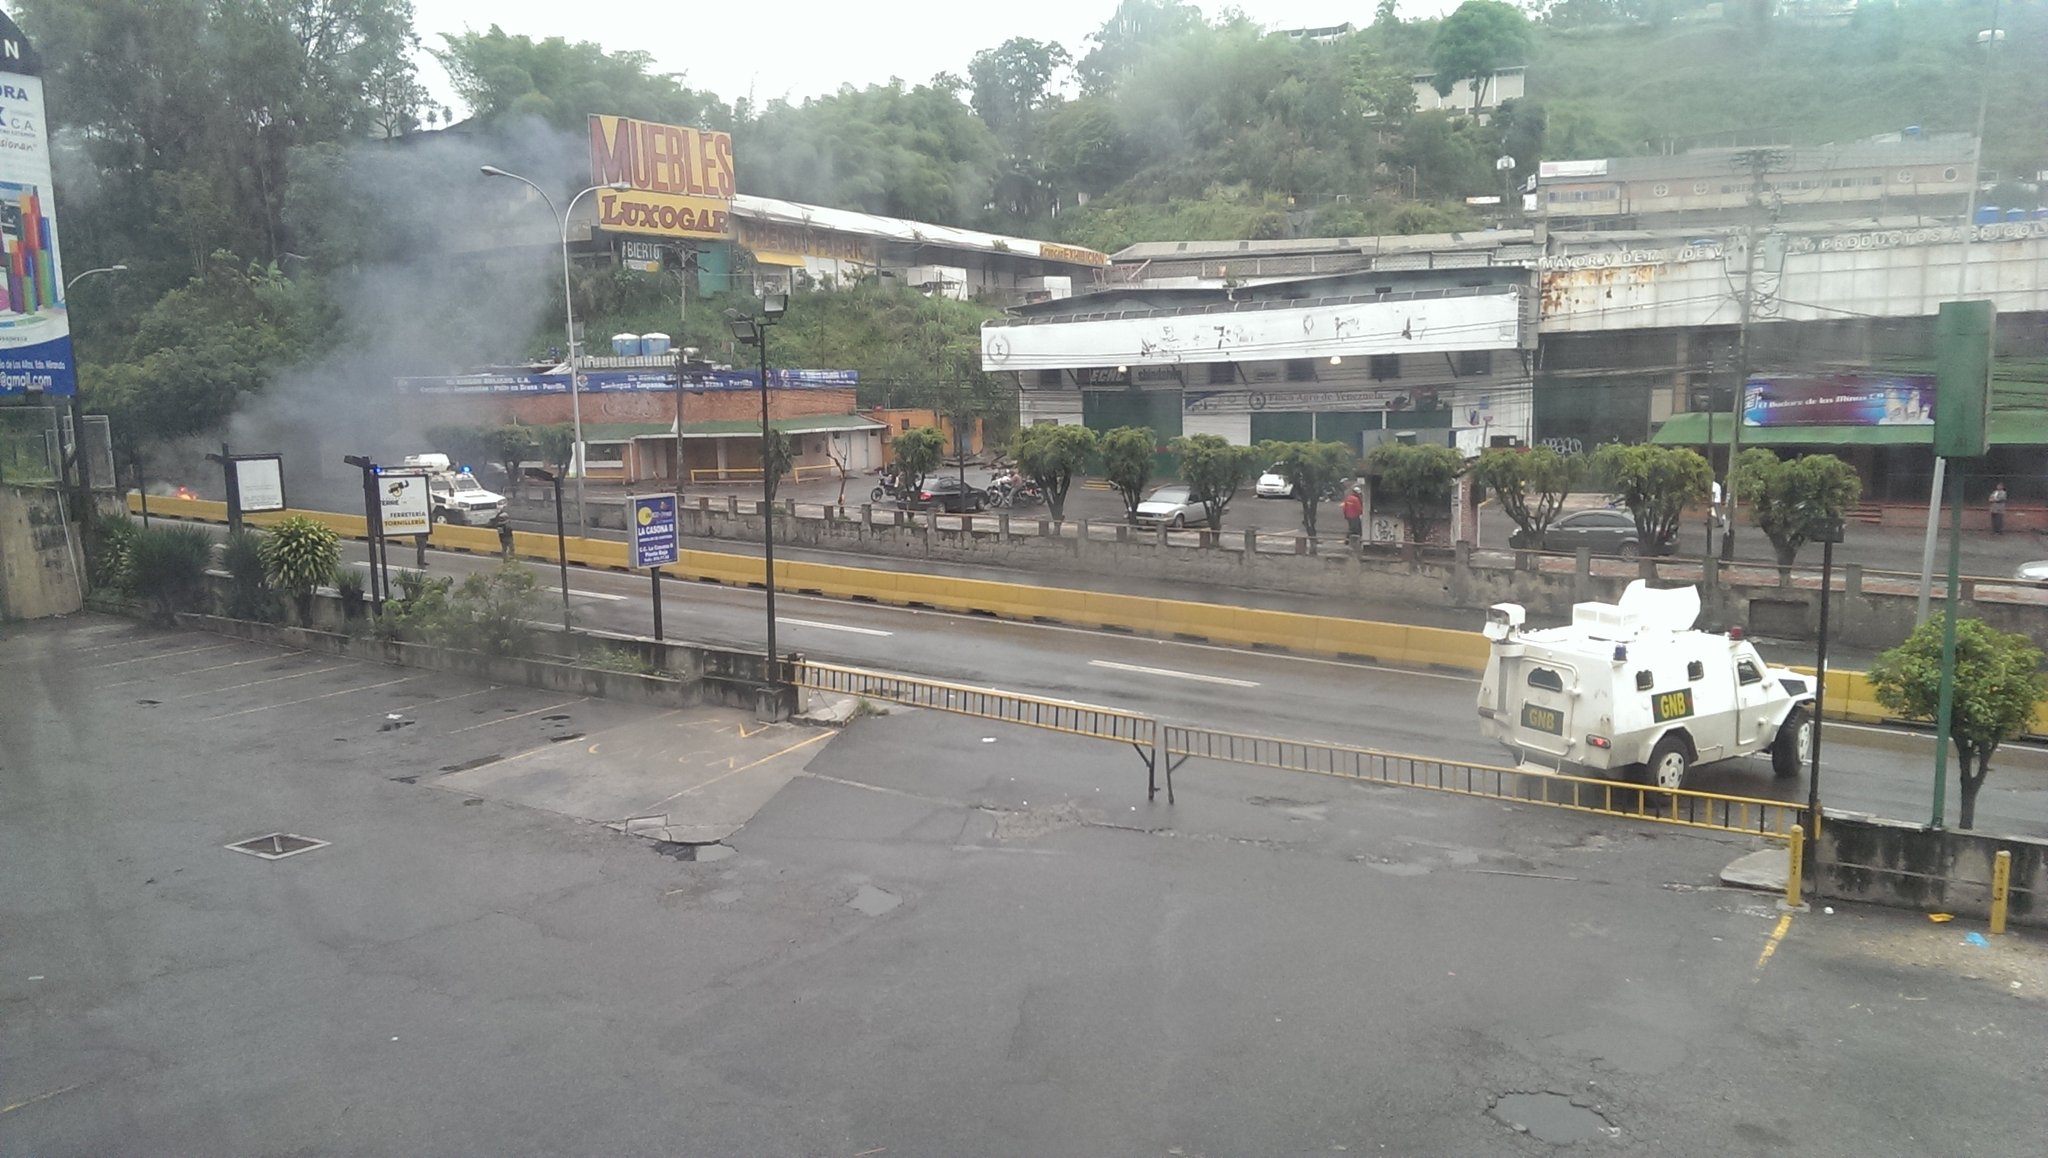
x=681, y=179
x=1848, y=399
x=35, y=332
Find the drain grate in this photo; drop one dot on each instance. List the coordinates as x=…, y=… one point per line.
x=277, y=845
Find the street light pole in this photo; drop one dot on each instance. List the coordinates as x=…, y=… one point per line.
x=561, y=542
x=82, y=462
x=753, y=331
x=569, y=312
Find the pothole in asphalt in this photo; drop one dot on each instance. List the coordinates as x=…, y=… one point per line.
x=474, y=762
x=565, y=736
x=1551, y=1118
x=873, y=901
x=557, y=716
x=685, y=850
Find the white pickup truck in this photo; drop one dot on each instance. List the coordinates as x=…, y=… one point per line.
x=1630, y=688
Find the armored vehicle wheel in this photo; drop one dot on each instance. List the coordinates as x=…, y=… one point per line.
x=1793, y=749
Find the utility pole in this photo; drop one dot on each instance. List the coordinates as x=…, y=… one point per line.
x=1757, y=162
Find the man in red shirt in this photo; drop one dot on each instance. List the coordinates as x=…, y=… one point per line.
x=1354, y=516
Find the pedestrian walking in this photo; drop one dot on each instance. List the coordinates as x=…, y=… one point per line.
x=1354, y=517
x=505, y=538
x=420, y=551
x=1998, y=507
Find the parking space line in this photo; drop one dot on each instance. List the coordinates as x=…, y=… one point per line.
x=736, y=771
x=445, y=699
x=161, y=655
x=1771, y=946
x=256, y=683
x=309, y=699
x=193, y=672
x=520, y=716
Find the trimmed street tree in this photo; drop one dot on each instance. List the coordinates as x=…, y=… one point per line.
x=1213, y=469
x=1793, y=500
x=556, y=445
x=1420, y=480
x=1656, y=483
x=1313, y=469
x=1531, y=485
x=917, y=453
x=1998, y=686
x=509, y=446
x=1127, y=458
x=1050, y=456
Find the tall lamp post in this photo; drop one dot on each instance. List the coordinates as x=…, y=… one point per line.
x=561, y=541
x=569, y=311
x=78, y=429
x=753, y=331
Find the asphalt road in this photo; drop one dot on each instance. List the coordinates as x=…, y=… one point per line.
x=1883, y=771
x=941, y=938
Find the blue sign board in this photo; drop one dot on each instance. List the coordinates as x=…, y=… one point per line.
x=654, y=531
x=630, y=382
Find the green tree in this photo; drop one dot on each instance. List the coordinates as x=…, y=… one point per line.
x=1420, y=480
x=917, y=453
x=1214, y=469
x=1050, y=455
x=1531, y=485
x=502, y=76
x=1998, y=687
x=299, y=554
x=779, y=460
x=509, y=446
x=1656, y=484
x=1312, y=469
x=1794, y=500
x=1479, y=39
x=1134, y=31
x=1128, y=455
x=556, y=445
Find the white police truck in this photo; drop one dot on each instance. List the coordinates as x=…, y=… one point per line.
x=1630, y=689
x=454, y=493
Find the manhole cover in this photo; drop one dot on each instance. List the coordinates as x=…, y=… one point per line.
x=1552, y=1118
x=278, y=845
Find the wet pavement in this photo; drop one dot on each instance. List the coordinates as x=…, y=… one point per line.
x=939, y=937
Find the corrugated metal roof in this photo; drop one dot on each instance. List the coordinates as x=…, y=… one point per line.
x=1390, y=243
x=898, y=229
x=1936, y=149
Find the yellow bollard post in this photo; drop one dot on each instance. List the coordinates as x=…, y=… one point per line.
x=1795, y=864
x=2001, y=889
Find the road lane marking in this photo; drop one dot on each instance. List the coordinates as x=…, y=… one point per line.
x=193, y=672
x=310, y=699
x=1172, y=674
x=831, y=626
x=1771, y=946
x=587, y=594
x=520, y=716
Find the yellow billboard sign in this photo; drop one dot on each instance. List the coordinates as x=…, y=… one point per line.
x=681, y=178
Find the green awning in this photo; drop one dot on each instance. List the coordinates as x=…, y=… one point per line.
x=2008, y=428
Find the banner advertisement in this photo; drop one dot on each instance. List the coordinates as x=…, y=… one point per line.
x=631, y=382
x=1849, y=399
x=682, y=179
x=654, y=531
x=259, y=483
x=1255, y=401
x=35, y=332
x=407, y=510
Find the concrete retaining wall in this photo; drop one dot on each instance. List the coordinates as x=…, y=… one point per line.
x=1909, y=866
x=38, y=556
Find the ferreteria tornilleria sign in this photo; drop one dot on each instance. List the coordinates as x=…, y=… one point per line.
x=35, y=326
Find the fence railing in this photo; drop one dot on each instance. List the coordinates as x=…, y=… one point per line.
x=1075, y=719
x=1685, y=807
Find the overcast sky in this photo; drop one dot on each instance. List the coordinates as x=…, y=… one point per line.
x=800, y=48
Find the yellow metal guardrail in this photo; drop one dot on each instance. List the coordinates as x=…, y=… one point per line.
x=1686, y=808
x=729, y=473
x=1074, y=719
x=1849, y=696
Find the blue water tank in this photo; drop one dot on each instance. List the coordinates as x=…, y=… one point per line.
x=1986, y=215
x=2015, y=215
x=652, y=344
x=626, y=345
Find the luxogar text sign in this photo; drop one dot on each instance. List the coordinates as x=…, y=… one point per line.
x=681, y=179
x=654, y=531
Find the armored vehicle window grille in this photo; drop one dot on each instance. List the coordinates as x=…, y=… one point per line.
x=1745, y=672
x=1546, y=679
x=1644, y=680
x=1695, y=670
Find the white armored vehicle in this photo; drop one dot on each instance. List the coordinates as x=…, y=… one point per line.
x=454, y=493
x=1630, y=688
